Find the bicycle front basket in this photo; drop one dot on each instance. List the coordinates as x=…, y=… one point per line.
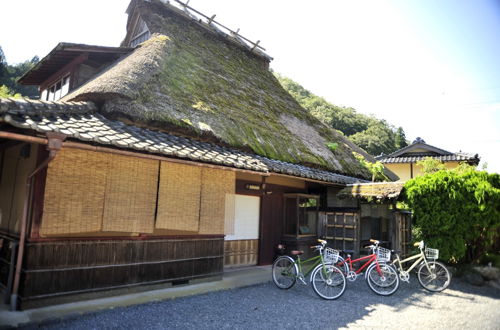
x=431, y=253
x=383, y=254
x=330, y=255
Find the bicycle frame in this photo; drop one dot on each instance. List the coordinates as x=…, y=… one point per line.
x=314, y=261
x=420, y=257
x=371, y=258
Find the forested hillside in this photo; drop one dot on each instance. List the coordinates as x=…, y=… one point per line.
x=9, y=75
x=374, y=135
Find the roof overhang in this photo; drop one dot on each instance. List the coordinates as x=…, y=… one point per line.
x=373, y=191
x=63, y=54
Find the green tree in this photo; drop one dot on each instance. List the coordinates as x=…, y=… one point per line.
x=430, y=165
x=376, y=169
x=3, y=64
x=400, y=138
x=5, y=92
x=457, y=211
x=376, y=139
x=9, y=74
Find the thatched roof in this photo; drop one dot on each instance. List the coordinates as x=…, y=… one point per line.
x=372, y=191
x=186, y=77
x=81, y=121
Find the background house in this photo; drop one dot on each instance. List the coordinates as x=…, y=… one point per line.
x=403, y=162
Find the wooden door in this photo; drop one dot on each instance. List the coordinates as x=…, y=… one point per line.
x=402, y=235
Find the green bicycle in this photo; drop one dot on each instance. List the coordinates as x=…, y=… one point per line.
x=327, y=280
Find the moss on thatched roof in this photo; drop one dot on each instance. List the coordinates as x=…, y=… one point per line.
x=187, y=77
x=372, y=191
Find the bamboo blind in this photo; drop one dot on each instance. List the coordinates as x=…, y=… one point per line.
x=130, y=195
x=216, y=184
x=74, y=192
x=179, y=197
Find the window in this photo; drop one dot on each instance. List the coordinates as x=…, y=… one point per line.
x=342, y=229
x=56, y=91
x=141, y=33
x=301, y=215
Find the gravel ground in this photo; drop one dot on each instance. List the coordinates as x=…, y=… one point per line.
x=267, y=307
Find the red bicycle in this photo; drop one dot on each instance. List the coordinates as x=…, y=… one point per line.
x=381, y=277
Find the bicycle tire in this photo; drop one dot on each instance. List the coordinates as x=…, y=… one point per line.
x=328, y=282
x=383, y=284
x=285, y=272
x=435, y=279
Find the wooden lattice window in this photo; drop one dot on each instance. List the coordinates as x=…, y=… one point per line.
x=342, y=230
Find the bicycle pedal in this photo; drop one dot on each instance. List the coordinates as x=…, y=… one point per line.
x=301, y=279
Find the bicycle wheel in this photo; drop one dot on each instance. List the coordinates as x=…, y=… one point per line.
x=284, y=272
x=328, y=281
x=434, y=278
x=384, y=283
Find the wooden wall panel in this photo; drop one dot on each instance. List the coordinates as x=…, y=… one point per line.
x=241, y=253
x=16, y=167
x=59, y=268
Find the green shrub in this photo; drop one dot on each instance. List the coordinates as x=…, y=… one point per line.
x=457, y=211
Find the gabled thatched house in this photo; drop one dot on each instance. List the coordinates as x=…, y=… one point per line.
x=165, y=160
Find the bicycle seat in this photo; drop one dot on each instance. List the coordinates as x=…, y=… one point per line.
x=347, y=252
x=296, y=252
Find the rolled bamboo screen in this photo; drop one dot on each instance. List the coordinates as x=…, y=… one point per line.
x=130, y=195
x=179, y=197
x=74, y=192
x=87, y=191
x=216, y=184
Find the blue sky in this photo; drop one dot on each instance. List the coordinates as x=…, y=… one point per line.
x=431, y=67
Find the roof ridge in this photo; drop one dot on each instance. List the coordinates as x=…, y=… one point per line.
x=215, y=27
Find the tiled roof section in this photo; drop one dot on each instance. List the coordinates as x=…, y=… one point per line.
x=80, y=121
x=419, y=150
x=457, y=157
